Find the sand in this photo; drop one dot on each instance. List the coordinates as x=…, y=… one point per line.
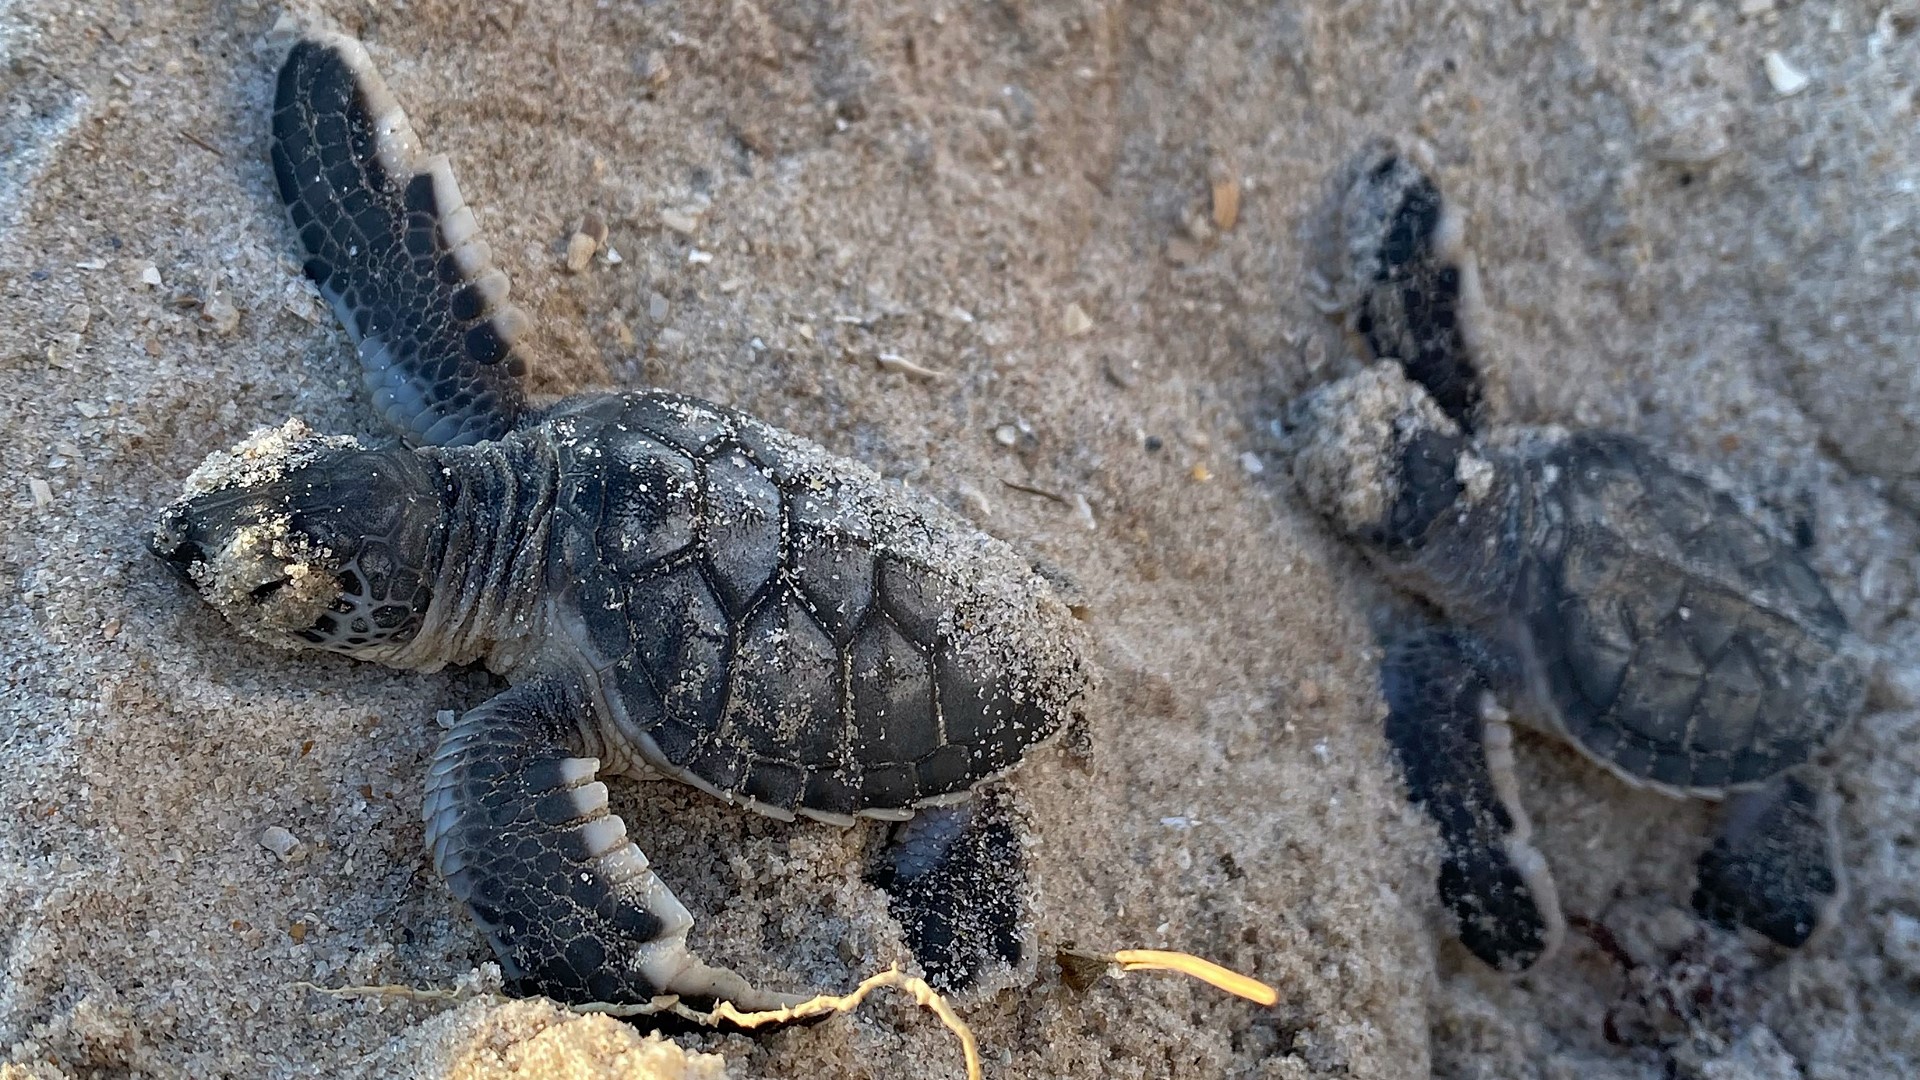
x=1097, y=223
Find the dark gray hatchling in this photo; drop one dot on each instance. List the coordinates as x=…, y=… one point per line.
x=669, y=585
x=1603, y=594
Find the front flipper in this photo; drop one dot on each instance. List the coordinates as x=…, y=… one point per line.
x=395, y=250
x=1772, y=869
x=1415, y=284
x=953, y=880
x=1457, y=753
x=520, y=830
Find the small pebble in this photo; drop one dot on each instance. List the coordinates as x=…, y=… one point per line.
x=1182, y=252
x=42, y=492
x=1787, y=80
x=1075, y=321
x=699, y=258
x=580, y=249
x=1006, y=435
x=150, y=275
x=1251, y=462
x=679, y=221
x=656, y=307
x=78, y=316
x=279, y=841
x=1199, y=224
x=652, y=69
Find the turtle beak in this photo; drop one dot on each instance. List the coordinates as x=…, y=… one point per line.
x=173, y=541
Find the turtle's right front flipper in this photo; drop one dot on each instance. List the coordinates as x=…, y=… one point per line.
x=1457, y=755
x=395, y=250
x=521, y=831
x=1412, y=281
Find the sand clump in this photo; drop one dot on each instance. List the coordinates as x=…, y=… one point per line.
x=264, y=456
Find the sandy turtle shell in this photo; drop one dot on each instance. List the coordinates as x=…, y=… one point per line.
x=1671, y=637
x=777, y=627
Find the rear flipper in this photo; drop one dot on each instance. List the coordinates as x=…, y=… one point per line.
x=395, y=250
x=1455, y=748
x=520, y=830
x=954, y=882
x=1411, y=280
x=1772, y=869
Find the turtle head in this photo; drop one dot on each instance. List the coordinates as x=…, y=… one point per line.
x=308, y=541
x=1376, y=457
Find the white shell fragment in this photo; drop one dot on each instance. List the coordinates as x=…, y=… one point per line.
x=1787, y=80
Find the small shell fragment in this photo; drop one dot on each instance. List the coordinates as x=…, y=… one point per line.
x=679, y=221
x=580, y=249
x=1226, y=203
x=1787, y=80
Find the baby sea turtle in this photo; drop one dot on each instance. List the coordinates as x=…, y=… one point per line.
x=1602, y=593
x=668, y=585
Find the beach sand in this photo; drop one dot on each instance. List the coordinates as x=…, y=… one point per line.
x=1097, y=225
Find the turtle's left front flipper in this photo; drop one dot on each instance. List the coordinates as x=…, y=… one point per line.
x=395, y=250
x=1772, y=869
x=520, y=829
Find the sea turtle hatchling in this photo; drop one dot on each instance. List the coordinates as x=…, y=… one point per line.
x=667, y=584
x=1603, y=594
